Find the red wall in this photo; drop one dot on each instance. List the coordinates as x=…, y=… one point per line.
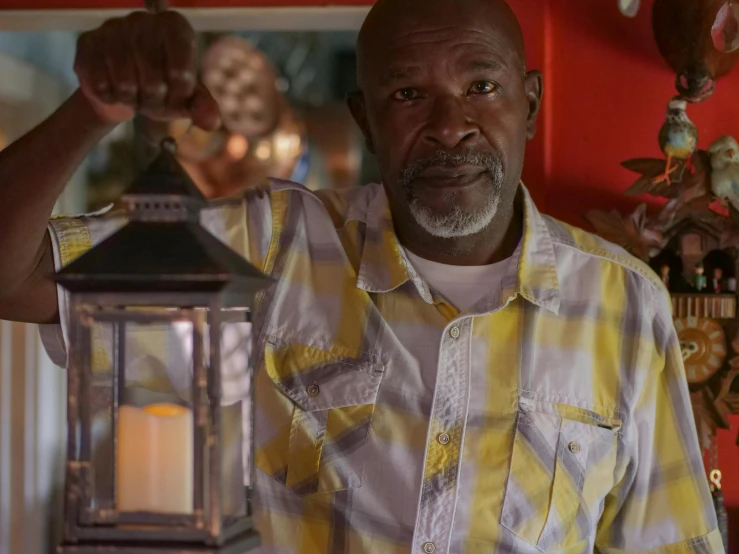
x=606, y=90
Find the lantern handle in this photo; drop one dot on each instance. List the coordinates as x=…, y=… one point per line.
x=155, y=6
x=169, y=144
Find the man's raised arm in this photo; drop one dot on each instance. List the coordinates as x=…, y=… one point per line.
x=143, y=63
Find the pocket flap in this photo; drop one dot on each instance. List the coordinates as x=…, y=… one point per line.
x=607, y=420
x=317, y=379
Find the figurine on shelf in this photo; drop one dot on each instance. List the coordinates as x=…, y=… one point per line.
x=718, y=280
x=699, y=279
x=664, y=272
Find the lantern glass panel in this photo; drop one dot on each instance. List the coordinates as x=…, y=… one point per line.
x=141, y=416
x=233, y=495
x=154, y=429
x=235, y=414
x=146, y=451
x=95, y=335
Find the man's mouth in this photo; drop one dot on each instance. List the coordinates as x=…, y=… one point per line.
x=450, y=172
x=450, y=176
x=447, y=173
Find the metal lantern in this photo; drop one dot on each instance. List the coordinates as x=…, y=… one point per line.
x=159, y=460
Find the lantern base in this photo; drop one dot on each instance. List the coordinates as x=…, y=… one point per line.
x=238, y=545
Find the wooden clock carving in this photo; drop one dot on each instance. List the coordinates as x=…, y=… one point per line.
x=703, y=347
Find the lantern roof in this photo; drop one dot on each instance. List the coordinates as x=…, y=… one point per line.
x=165, y=176
x=163, y=248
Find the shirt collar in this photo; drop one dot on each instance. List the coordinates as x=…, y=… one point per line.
x=384, y=266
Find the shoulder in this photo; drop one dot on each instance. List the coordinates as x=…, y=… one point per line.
x=585, y=251
x=341, y=206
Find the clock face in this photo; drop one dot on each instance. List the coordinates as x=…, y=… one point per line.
x=703, y=346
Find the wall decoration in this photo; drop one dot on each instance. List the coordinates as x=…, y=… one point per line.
x=699, y=39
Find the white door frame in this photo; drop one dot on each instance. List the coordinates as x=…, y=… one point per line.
x=319, y=18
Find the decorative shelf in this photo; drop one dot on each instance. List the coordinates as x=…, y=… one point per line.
x=714, y=306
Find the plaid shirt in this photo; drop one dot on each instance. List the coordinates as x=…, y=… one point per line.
x=552, y=417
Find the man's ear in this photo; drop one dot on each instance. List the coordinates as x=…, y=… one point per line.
x=534, y=90
x=356, y=103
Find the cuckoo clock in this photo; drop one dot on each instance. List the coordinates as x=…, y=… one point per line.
x=692, y=244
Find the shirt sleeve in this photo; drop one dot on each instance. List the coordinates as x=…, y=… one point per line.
x=246, y=226
x=661, y=503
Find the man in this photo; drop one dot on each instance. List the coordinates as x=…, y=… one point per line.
x=439, y=367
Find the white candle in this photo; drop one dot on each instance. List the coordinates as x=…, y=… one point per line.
x=154, y=472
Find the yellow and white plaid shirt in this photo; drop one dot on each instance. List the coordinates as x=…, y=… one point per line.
x=552, y=417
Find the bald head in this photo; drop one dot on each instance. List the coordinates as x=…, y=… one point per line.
x=398, y=18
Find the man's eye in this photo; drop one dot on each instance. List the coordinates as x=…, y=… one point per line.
x=406, y=94
x=483, y=87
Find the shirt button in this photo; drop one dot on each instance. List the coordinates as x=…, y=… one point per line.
x=443, y=438
x=454, y=332
x=574, y=447
x=429, y=548
x=313, y=390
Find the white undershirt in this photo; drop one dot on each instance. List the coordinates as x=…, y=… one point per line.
x=462, y=285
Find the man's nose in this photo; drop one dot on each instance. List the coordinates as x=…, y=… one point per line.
x=449, y=125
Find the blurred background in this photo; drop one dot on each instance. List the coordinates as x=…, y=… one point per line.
x=282, y=96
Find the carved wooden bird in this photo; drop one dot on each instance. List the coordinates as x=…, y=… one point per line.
x=678, y=138
x=696, y=38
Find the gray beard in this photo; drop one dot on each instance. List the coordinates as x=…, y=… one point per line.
x=456, y=222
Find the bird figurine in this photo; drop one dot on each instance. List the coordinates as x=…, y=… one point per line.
x=678, y=138
x=724, y=154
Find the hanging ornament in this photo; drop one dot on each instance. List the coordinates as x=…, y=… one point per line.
x=629, y=8
x=714, y=477
x=725, y=30
x=718, y=503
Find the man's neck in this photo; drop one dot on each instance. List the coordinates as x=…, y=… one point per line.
x=495, y=243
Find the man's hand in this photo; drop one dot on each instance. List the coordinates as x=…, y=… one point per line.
x=144, y=63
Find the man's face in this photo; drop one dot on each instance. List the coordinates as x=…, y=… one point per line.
x=447, y=112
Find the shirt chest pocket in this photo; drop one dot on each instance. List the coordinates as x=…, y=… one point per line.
x=319, y=412
x=562, y=467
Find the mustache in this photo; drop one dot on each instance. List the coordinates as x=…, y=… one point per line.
x=441, y=158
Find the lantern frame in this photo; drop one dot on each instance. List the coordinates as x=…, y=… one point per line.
x=165, y=287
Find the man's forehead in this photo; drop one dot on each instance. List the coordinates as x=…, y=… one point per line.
x=461, y=32
x=411, y=55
